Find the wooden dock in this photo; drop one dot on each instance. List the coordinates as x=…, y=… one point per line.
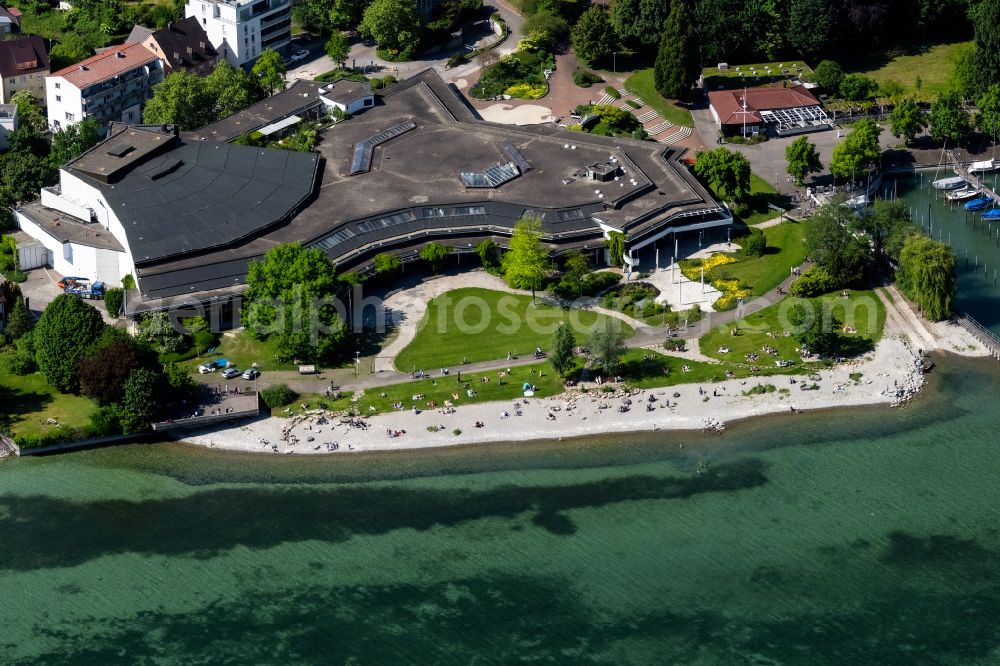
x=972, y=179
x=981, y=333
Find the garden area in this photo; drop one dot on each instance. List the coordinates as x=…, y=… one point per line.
x=471, y=325
x=520, y=74
x=642, y=86
x=861, y=317
x=32, y=408
x=607, y=120
x=757, y=74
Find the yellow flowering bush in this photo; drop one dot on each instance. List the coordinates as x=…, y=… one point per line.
x=732, y=290
x=716, y=260
x=527, y=91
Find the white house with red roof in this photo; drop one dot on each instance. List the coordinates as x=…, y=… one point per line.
x=780, y=111
x=110, y=86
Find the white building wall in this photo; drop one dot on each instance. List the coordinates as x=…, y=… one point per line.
x=63, y=101
x=237, y=39
x=98, y=264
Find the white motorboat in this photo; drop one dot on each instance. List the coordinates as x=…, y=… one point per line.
x=961, y=195
x=984, y=166
x=949, y=183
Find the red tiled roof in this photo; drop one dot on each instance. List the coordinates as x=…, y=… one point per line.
x=17, y=56
x=728, y=104
x=116, y=60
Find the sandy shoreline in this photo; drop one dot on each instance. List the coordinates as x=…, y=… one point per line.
x=890, y=374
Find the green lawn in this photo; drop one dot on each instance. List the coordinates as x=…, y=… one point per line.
x=642, y=86
x=762, y=195
x=28, y=402
x=863, y=310
x=934, y=67
x=786, y=248
x=242, y=350
x=716, y=79
x=482, y=325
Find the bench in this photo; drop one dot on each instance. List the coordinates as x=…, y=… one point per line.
x=307, y=369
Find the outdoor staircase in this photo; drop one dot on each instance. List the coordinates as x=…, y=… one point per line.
x=679, y=135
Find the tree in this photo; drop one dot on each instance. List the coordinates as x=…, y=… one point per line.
x=563, y=346
x=139, y=400
x=181, y=99
x=231, y=89
x=828, y=75
x=860, y=150
x=526, y=262
x=727, y=172
x=949, y=121
x=114, y=298
x=19, y=320
x=833, y=247
x=29, y=111
x=290, y=296
x=677, y=63
x=71, y=48
x=593, y=37
x=639, y=22
x=23, y=174
x=857, y=87
x=927, y=275
x=178, y=380
x=63, y=334
x=338, y=48
x=907, y=120
x=887, y=225
x=818, y=328
x=989, y=112
x=157, y=330
x=607, y=344
x=489, y=253
x=103, y=372
x=394, y=25
x=545, y=29
x=435, y=254
x=386, y=263
x=72, y=141
x=812, y=26
x=615, y=243
x=802, y=159
x=985, y=17
x=575, y=267
x=270, y=69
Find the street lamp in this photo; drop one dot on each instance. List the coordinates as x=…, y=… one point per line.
x=357, y=363
x=614, y=61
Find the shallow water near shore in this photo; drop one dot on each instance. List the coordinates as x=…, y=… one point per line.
x=850, y=536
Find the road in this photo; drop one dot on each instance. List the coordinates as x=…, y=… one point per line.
x=363, y=55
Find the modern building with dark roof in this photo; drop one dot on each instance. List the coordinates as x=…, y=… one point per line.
x=182, y=45
x=780, y=111
x=24, y=64
x=191, y=212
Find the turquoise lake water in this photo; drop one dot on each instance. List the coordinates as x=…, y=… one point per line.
x=849, y=537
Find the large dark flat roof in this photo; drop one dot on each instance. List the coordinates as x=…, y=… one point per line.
x=413, y=191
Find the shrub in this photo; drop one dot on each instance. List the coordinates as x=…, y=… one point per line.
x=674, y=344
x=585, y=79
x=816, y=281
x=456, y=60
x=113, y=300
x=128, y=282
x=17, y=275
x=611, y=92
x=19, y=362
x=204, y=340
x=376, y=84
x=6, y=263
x=754, y=244
x=278, y=395
x=527, y=91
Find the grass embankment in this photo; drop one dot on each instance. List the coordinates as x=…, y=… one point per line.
x=750, y=75
x=862, y=310
x=26, y=404
x=641, y=85
x=482, y=325
x=934, y=67
x=762, y=196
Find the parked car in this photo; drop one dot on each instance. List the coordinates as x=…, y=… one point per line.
x=212, y=366
x=229, y=373
x=69, y=281
x=86, y=290
x=298, y=55
x=251, y=373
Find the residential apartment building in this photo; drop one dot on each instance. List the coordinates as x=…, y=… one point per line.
x=182, y=45
x=240, y=29
x=24, y=64
x=110, y=86
x=8, y=124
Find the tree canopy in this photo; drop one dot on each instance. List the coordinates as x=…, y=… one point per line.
x=887, y=225
x=677, y=63
x=64, y=333
x=593, y=37
x=639, y=22
x=812, y=26
x=828, y=75
x=72, y=141
x=435, y=254
x=337, y=48
x=190, y=101
x=833, y=247
x=989, y=112
x=907, y=120
x=948, y=120
x=105, y=369
x=563, y=346
x=270, y=69
x=926, y=274
x=857, y=152
x=802, y=159
x=394, y=25
x=725, y=171
x=607, y=344
x=527, y=261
